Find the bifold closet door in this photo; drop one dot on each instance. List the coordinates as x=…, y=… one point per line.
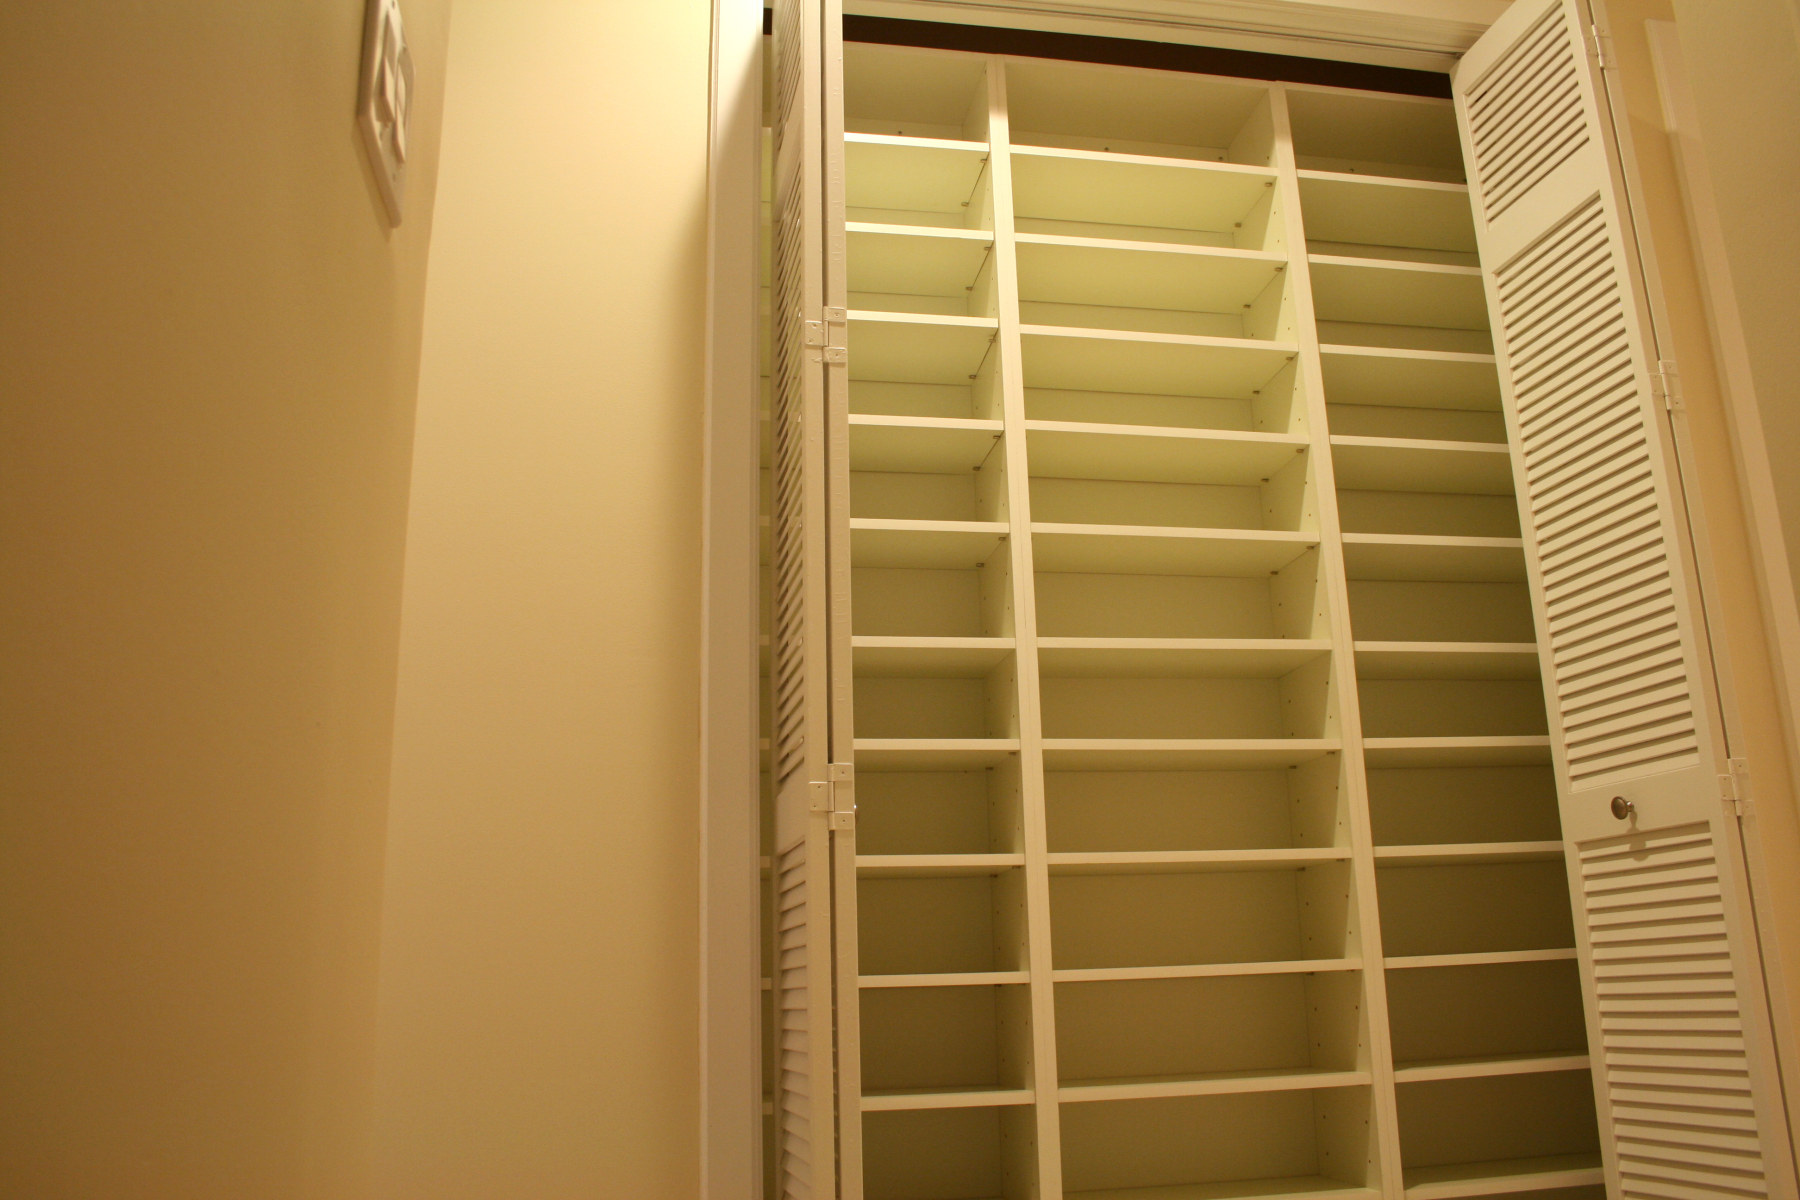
x=1683, y=1058
x=816, y=1079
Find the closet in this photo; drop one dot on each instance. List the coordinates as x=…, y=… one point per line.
x=1162, y=801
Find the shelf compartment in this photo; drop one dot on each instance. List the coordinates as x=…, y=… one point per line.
x=1079, y=450
x=944, y=657
x=1413, y=513
x=1156, y=364
x=1296, y=704
x=1354, y=214
x=1106, y=195
x=1452, y=853
x=1129, y=550
x=1285, y=500
x=1481, y=428
x=934, y=754
x=1183, y=754
x=960, y=700
x=1300, y=966
x=1305, y=1144
x=1487, y=958
x=1201, y=917
x=1391, y=378
x=1145, y=287
x=904, y=89
x=1474, y=908
x=1221, y=1083
x=941, y=545
x=1438, y=708
x=1443, y=806
x=1472, y=1021
x=1233, y=811
x=1492, y=1135
x=1155, y=862
x=1434, y=558
x=964, y=979
x=904, y=268
x=888, y=347
x=1447, y=660
x=961, y=602
x=1415, y=611
x=915, y=181
x=1375, y=291
x=933, y=866
x=968, y=1153
x=1359, y=133
x=1285, y=602
x=1194, y=658
x=944, y=1047
x=1095, y=106
x=930, y=445
x=944, y=925
x=1548, y=1177
x=1520, y=751
x=1374, y=464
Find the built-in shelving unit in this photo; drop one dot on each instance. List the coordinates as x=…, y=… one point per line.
x=1207, y=843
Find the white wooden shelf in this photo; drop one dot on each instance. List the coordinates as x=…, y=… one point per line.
x=1150, y=198
x=892, y=347
x=1158, y=550
x=932, y=657
x=1377, y=291
x=1244, y=658
x=1158, y=364
x=1403, y=465
x=932, y=445
x=1079, y=450
x=1369, y=134
x=1434, y=558
x=1189, y=754
x=1505, y=751
x=912, y=175
x=1404, y=214
x=1218, y=1083
x=932, y=754
x=1298, y=966
x=1060, y=269
x=1298, y=1187
x=933, y=866
x=911, y=260
x=1483, y=958
x=1447, y=660
x=1486, y=1067
x=1409, y=378
x=1149, y=862
x=948, y=979
x=1505, y=1176
x=901, y=1099
x=883, y=542
x=1452, y=853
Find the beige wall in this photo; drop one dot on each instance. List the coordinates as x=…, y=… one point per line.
x=539, y=1020
x=207, y=371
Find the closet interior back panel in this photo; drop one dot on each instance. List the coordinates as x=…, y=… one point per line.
x=1207, y=839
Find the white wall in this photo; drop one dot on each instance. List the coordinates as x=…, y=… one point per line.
x=539, y=1019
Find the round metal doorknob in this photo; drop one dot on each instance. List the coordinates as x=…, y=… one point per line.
x=1622, y=808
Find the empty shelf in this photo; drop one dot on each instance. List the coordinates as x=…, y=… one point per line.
x=1157, y=364
x=1189, y=754
x=1507, y=751
x=1157, y=550
x=934, y=657
x=1146, y=862
x=1296, y=966
x=935, y=445
x=952, y=1097
x=914, y=260
x=959, y=979
x=934, y=866
x=1377, y=291
x=924, y=175
x=932, y=754
x=1429, y=557
x=1413, y=214
x=1410, y=378
x=1451, y=853
x=1425, y=1071
x=1074, y=450
x=1303, y=1187
x=1218, y=1083
x=1503, y=1176
x=1447, y=660
x=880, y=542
x=916, y=348
x=1480, y=958
x=1131, y=274
x=1403, y=465
x=1266, y=658
x=1134, y=191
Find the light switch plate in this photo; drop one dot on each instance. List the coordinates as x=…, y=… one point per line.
x=384, y=100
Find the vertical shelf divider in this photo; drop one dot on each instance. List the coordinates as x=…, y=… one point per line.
x=1043, y=1074
x=1331, y=564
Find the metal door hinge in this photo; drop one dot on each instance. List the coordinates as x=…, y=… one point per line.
x=827, y=336
x=1734, y=788
x=1665, y=381
x=1600, y=42
x=836, y=796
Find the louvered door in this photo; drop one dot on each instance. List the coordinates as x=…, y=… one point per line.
x=1677, y=1012
x=813, y=863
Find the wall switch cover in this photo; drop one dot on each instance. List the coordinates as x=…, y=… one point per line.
x=384, y=100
